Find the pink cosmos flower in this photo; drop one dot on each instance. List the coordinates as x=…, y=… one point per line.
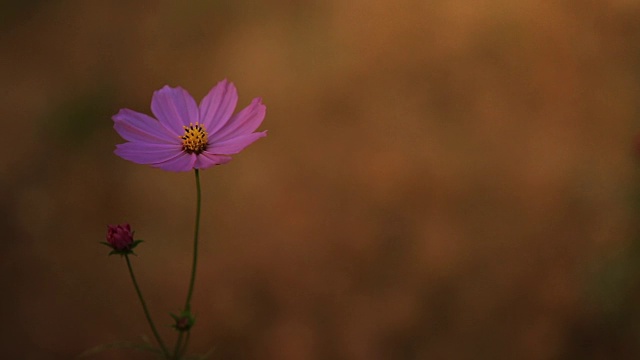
x=185, y=135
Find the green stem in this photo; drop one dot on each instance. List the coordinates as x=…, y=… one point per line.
x=186, y=344
x=180, y=347
x=187, y=305
x=176, y=350
x=146, y=311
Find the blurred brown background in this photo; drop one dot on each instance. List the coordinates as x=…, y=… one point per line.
x=441, y=180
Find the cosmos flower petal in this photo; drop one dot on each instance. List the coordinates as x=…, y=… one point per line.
x=216, y=108
x=244, y=122
x=146, y=153
x=182, y=162
x=206, y=159
x=236, y=144
x=175, y=108
x=135, y=126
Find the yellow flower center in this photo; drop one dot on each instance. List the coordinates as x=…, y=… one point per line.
x=194, y=140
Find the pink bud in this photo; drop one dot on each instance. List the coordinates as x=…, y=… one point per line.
x=120, y=237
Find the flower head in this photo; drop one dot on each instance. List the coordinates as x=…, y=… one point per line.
x=185, y=135
x=184, y=321
x=120, y=239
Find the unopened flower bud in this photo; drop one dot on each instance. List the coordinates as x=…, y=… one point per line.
x=120, y=239
x=184, y=321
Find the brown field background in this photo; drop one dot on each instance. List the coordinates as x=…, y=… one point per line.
x=442, y=179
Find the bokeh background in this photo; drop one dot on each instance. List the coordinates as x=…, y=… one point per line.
x=443, y=179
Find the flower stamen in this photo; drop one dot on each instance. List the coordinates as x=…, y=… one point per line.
x=194, y=140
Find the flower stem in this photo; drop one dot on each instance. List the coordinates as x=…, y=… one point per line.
x=186, y=343
x=176, y=350
x=146, y=311
x=187, y=305
x=180, y=346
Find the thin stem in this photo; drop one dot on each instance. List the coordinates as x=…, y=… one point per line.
x=186, y=343
x=176, y=350
x=180, y=346
x=146, y=311
x=187, y=305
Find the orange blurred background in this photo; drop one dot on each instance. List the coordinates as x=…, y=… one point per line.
x=441, y=180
